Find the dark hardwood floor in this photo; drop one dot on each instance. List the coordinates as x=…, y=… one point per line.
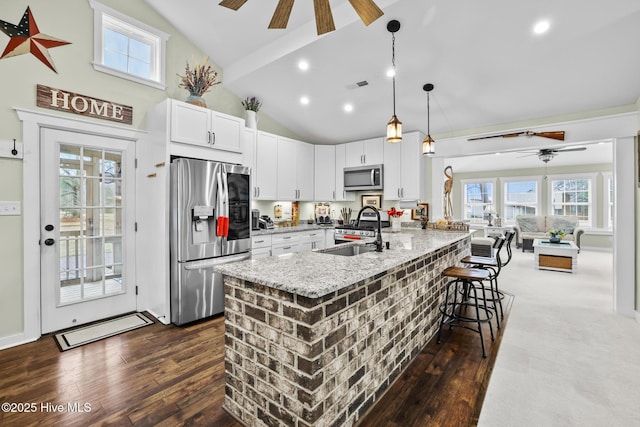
x=166, y=376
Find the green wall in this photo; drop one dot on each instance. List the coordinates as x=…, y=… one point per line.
x=72, y=21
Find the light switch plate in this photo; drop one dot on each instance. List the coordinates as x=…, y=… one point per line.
x=9, y=208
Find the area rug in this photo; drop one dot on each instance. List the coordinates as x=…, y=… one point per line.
x=98, y=331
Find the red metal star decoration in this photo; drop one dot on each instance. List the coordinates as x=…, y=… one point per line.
x=26, y=38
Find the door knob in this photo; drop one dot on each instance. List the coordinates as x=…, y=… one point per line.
x=49, y=242
x=49, y=227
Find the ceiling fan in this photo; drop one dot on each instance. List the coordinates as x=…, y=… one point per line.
x=366, y=9
x=557, y=135
x=546, y=154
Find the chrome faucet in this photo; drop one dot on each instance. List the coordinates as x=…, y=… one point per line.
x=378, y=241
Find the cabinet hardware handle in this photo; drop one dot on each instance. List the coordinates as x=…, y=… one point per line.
x=333, y=194
x=208, y=137
x=286, y=238
x=288, y=247
x=214, y=138
x=259, y=241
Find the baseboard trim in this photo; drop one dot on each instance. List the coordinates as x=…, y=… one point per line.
x=162, y=319
x=14, y=341
x=596, y=249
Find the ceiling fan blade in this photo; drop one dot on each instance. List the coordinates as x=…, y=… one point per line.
x=232, y=4
x=528, y=155
x=367, y=10
x=324, y=18
x=564, y=150
x=281, y=15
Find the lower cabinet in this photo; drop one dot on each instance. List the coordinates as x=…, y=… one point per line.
x=265, y=245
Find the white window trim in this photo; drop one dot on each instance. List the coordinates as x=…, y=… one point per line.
x=608, y=218
x=99, y=12
x=593, y=196
x=505, y=180
x=463, y=183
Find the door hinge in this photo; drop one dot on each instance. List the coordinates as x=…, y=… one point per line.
x=135, y=226
x=136, y=164
x=136, y=289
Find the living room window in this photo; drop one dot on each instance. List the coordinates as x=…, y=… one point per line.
x=127, y=48
x=573, y=195
x=478, y=198
x=521, y=196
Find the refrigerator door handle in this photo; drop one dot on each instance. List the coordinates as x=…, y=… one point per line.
x=225, y=202
x=220, y=218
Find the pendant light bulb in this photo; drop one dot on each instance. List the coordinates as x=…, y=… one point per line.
x=394, y=126
x=428, y=144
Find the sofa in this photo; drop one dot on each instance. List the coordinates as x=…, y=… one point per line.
x=529, y=227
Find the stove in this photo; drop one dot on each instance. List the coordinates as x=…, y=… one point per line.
x=350, y=233
x=366, y=231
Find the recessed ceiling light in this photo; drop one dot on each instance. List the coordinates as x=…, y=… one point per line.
x=304, y=100
x=390, y=72
x=303, y=65
x=541, y=27
x=348, y=108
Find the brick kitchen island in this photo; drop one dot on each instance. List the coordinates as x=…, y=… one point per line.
x=314, y=339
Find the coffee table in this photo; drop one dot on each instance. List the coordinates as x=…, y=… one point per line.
x=561, y=256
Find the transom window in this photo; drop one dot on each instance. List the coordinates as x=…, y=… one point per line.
x=573, y=195
x=128, y=48
x=521, y=197
x=478, y=198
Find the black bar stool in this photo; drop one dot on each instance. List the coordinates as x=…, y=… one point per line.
x=465, y=286
x=493, y=266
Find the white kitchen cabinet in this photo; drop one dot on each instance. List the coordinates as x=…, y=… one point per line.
x=266, y=167
x=260, y=246
x=191, y=124
x=404, y=177
x=325, y=173
x=367, y=152
x=340, y=162
x=285, y=243
x=313, y=239
x=295, y=170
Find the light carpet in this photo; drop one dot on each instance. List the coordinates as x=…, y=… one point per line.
x=95, y=332
x=566, y=358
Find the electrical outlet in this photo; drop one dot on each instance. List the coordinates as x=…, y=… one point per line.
x=9, y=208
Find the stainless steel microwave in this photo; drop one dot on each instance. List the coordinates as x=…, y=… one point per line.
x=364, y=178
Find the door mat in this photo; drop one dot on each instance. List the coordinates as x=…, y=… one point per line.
x=87, y=334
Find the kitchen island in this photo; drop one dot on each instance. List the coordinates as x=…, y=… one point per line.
x=314, y=339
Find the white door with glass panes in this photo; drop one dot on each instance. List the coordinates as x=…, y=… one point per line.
x=86, y=228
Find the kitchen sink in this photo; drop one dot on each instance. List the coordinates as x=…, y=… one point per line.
x=350, y=250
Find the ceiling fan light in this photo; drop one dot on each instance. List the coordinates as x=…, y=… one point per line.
x=394, y=130
x=428, y=146
x=545, y=157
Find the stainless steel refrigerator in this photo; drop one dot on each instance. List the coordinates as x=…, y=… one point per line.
x=210, y=225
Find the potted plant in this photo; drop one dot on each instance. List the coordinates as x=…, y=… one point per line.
x=198, y=81
x=555, y=236
x=252, y=105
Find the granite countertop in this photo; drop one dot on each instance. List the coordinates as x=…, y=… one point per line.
x=314, y=274
x=301, y=227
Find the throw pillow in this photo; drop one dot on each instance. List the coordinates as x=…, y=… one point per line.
x=528, y=224
x=564, y=224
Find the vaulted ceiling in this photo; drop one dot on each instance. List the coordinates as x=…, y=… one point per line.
x=487, y=65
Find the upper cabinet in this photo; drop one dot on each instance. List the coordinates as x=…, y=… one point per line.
x=342, y=195
x=367, y=152
x=404, y=177
x=191, y=124
x=325, y=173
x=295, y=170
x=265, y=170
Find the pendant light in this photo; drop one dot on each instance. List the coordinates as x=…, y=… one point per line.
x=394, y=127
x=428, y=144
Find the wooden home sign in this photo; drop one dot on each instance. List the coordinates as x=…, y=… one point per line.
x=58, y=99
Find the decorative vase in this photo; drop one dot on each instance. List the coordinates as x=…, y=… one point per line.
x=554, y=238
x=396, y=223
x=196, y=99
x=252, y=119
